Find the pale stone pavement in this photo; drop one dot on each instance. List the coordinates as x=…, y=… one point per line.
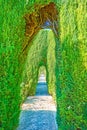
x=39, y=111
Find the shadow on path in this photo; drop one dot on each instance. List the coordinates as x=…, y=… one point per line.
x=37, y=120
x=41, y=89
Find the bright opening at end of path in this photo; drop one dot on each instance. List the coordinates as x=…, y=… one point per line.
x=42, y=78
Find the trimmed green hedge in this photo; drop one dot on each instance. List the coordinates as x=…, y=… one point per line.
x=71, y=66
x=36, y=58
x=11, y=39
x=41, y=53
x=51, y=63
x=12, y=31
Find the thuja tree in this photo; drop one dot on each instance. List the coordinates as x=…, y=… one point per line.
x=71, y=66
x=11, y=38
x=51, y=62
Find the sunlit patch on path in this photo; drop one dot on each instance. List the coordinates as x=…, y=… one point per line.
x=39, y=111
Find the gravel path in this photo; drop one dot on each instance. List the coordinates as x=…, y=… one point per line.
x=39, y=111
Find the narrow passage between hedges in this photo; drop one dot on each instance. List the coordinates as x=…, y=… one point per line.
x=39, y=111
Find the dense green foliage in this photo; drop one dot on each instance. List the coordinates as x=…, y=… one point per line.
x=41, y=53
x=71, y=69
x=12, y=31
x=51, y=62
x=11, y=38
x=70, y=73
x=36, y=57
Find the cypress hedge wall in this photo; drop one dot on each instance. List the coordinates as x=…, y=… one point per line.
x=11, y=38
x=36, y=58
x=51, y=63
x=71, y=66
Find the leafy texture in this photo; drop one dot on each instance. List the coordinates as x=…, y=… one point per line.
x=11, y=38
x=71, y=67
x=41, y=53
x=64, y=57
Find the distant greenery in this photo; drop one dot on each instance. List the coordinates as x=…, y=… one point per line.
x=42, y=70
x=36, y=58
x=41, y=53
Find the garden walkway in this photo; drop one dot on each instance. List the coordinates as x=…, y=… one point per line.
x=39, y=111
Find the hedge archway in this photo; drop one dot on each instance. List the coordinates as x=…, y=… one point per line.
x=41, y=53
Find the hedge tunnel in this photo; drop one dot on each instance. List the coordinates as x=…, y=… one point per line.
x=50, y=33
x=41, y=53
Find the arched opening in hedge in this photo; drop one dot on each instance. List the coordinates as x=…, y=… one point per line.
x=42, y=73
x=39, y=49
x=41, y=53
x=39, y=45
